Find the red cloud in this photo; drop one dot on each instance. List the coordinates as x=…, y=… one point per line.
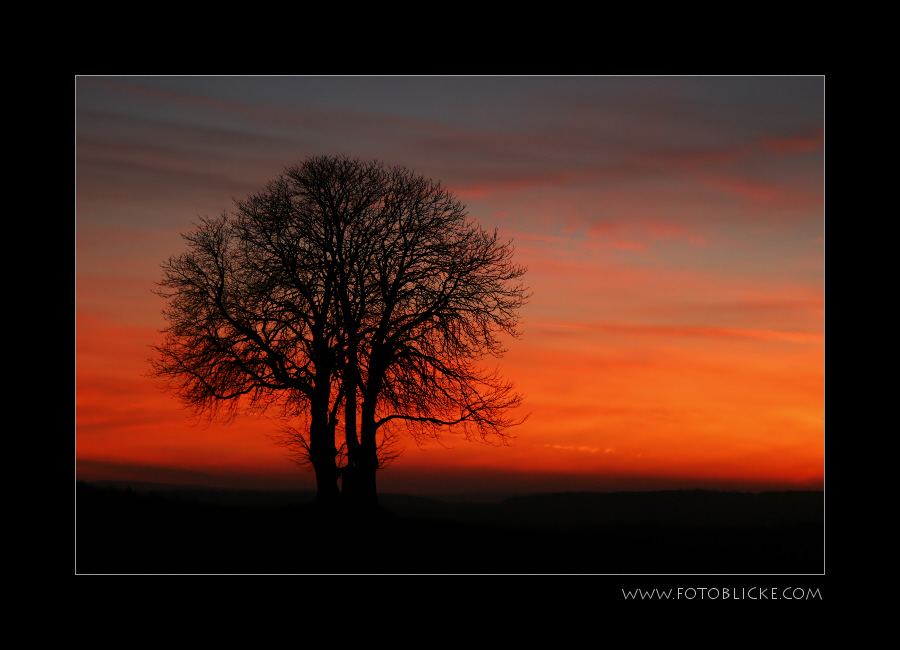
x=811, y=141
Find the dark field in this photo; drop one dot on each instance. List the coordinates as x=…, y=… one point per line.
x=166, y=530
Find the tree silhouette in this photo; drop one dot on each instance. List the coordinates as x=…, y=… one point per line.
x=248, y=324
x=345, y=283
x=427, y=293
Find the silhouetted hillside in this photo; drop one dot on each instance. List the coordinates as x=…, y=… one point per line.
x=671, y=508
x=164, y=529
x=222, y=496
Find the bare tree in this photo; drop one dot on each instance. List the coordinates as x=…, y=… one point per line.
x=345, y=284
x=249, y=325
x=425, y=295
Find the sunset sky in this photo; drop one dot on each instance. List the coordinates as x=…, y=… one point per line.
x=673, y=230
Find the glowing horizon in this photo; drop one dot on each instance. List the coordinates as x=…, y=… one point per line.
x=673, y=229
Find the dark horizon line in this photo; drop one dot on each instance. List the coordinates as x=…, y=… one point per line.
x=150, y=485
x=431, y=483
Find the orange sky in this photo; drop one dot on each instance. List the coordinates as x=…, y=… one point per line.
x=673, y=231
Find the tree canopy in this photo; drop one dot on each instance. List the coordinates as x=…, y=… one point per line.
x=345, y=288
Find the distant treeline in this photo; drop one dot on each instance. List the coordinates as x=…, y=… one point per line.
x=565, y=509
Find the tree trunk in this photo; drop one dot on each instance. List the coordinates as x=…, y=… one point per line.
x=367, y=494
x=327, y=493
x=350, y=476
x=367, y=466
x=322, y=453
